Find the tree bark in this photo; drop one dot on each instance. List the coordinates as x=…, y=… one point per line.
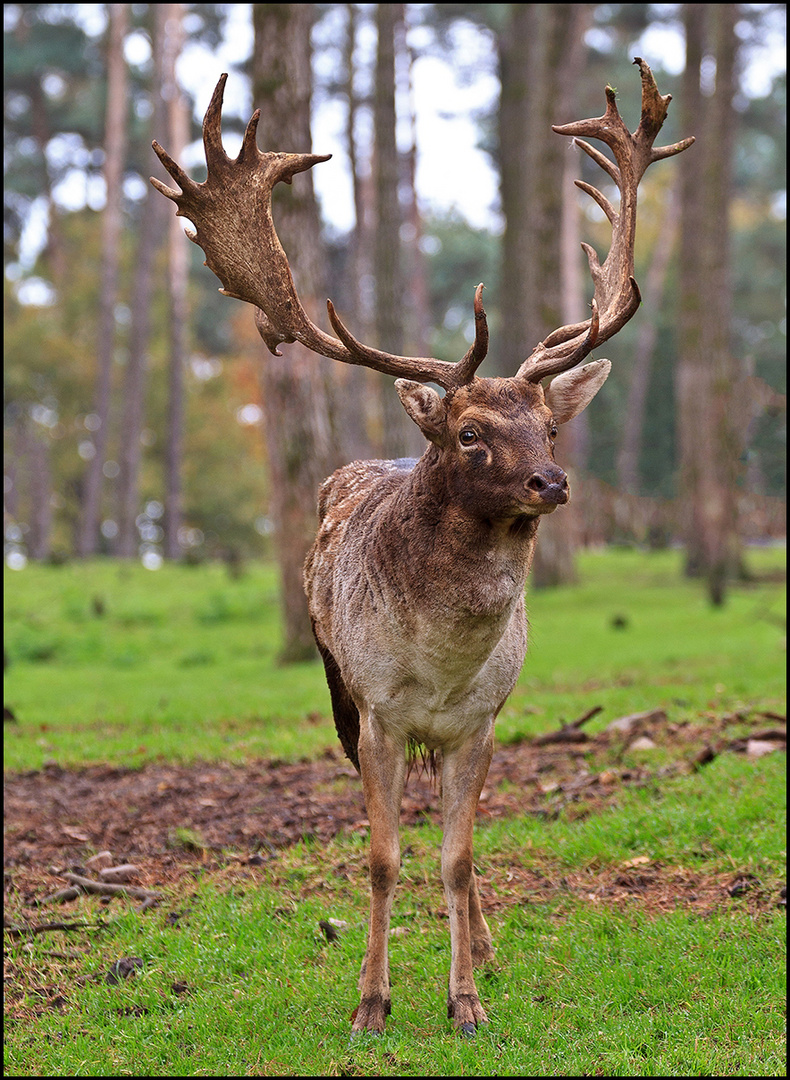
x=40, y=537
x=418, y=305
x=541, y=55
x=296, y=387
x=115, y=153
x=355, y=384
x=398, y=433
x=707, y=371
x=152, y=229
x=177, y=114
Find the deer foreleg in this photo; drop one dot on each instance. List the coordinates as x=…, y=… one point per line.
x=382, y=762
x=479, y=933
x=463, y=775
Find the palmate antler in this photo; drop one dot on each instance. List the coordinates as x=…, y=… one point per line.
x=616, y=291
x=233, y=218
x=232, y=214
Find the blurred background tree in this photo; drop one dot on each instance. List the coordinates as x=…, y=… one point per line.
x=142, y=417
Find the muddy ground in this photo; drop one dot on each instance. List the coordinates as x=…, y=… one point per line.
x=166, y=818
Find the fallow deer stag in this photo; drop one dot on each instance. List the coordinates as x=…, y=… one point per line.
x=416, y=579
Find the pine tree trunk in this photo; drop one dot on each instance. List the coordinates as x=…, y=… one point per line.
x=115, y=153
x=399, y=436
x=356, y=385
x=296, y=387
x=707, y=371
x=40, y=537
x=177, y=112
x=541, y=56
x=418, y=307
x=152, y=229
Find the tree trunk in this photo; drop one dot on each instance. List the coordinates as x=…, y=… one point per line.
x=399, y=435
x=177, y=112
x=296, y=387
x=40, y=536
x=355, y=384
x=115, y=152
x=706, y=370
x=541, y=55
x=418, y=307
x=29, y=472
x=152, y=229
x=655, y=280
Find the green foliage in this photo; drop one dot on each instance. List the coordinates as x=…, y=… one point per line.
x=50, y=366
x=459, y=258
x=53, y=87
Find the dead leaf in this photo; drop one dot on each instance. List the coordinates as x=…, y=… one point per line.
x=99, y=861
x=757, y=748
x=75, y=834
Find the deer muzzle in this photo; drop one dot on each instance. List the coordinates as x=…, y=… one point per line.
x=548, y=485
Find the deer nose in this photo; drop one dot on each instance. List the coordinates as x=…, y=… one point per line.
x=550, y=484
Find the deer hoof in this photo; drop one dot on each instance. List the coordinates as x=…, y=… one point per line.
x=370, y=1015
x=466, y=1012
x=468, y=1030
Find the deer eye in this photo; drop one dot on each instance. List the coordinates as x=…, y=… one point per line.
x=467, y=437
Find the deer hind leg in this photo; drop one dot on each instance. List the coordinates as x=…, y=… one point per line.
x=463, y=775
x=382, y=761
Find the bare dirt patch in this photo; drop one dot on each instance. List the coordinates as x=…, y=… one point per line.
x=58, y=815
x=165, y=818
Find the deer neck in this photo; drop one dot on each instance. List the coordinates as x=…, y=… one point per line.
x=444, y=540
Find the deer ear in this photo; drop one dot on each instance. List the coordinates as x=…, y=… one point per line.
x=424, y=406
x=573, y=391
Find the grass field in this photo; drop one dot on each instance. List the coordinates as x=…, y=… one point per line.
x=117, y=664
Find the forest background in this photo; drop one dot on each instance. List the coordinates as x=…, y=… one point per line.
x=144, y=418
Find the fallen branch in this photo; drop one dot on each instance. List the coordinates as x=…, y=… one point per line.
x=107, y=889
x=59, y=897
x=771, y=735
x=569, y=732
x=45, y=928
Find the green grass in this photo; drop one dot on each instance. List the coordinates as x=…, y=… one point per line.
x=182, y=664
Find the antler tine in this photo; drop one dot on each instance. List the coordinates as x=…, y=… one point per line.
x=616, y=291
x=232, y=214
x=216, y=158
x=476, y=354
x=421, y=369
